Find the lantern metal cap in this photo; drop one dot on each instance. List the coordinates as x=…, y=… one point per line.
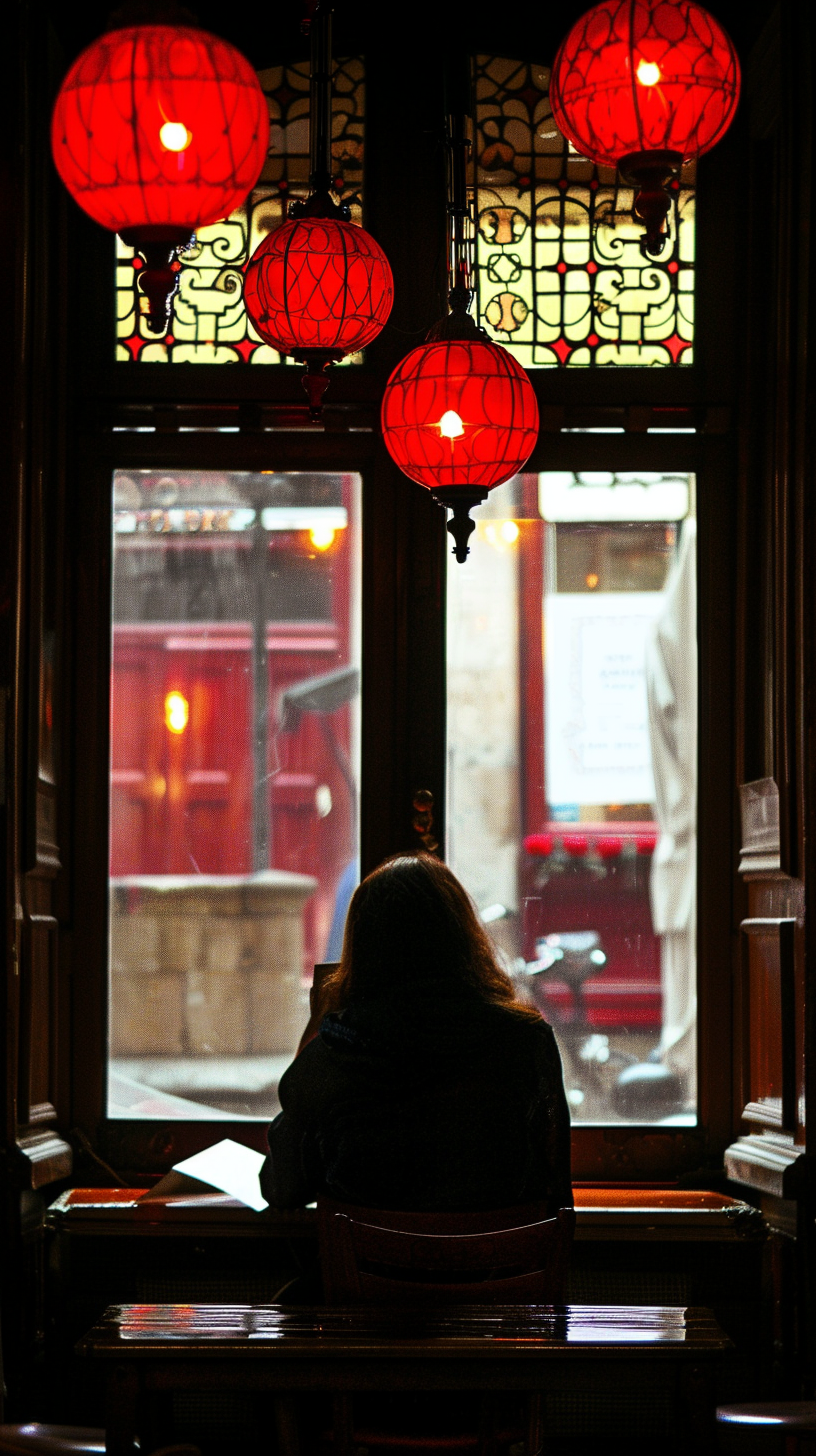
x=321, y=204
x=459, y=323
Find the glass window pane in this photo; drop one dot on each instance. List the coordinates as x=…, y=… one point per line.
x=234, y=774
x=561, y=278
x=210, y=325
x=572, y=765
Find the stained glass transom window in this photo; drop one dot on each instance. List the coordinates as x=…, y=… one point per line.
x=210, y=325
x=561, y=277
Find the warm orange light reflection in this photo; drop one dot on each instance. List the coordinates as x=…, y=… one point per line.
x=500, y=534
x=176, y=712
x=592, y=580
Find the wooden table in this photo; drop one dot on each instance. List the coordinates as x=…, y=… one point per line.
x=150, y=1349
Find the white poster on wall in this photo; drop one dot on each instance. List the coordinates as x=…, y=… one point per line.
x=596, y=715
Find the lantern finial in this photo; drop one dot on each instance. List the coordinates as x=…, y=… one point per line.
x=649, y=173
x=460, y=525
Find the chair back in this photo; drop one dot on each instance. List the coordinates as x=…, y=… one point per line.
x=509, y=1256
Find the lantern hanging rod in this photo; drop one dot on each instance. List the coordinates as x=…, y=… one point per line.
x=317, y=24
x=320, y=99
x=460, y=218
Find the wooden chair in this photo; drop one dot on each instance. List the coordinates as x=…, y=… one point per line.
x=509, y=1256
x=770, y=1428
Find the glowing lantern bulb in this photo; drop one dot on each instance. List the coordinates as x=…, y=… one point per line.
x=648, y=73
x=175, y=137
x=451, y=425
x=176, y=712
x=509, y=532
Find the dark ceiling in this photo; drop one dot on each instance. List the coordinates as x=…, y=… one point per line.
x=269, y=32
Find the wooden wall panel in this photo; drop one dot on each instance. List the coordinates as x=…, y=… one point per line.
x=35, y=1153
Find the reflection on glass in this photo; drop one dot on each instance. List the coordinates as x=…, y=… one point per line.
x=572, y=771
x=234, y=774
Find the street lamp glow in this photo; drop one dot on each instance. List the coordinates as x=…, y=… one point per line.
x=322, y=537
x=176, y=712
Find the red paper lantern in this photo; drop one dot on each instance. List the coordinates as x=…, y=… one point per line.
x=318, y=286
x=645, y=85
x=159, y=130
x=460, y=416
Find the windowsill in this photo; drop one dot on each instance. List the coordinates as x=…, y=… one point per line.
x=602, y=1214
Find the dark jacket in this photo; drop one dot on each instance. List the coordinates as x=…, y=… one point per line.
x=423, y=1102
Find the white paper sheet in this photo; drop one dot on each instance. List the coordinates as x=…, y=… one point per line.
x=230, y=1167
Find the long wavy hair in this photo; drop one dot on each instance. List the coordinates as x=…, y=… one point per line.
x=411, y=924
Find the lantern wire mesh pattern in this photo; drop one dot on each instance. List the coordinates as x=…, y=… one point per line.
x=645, y=85
x=459, y=414
x=319, y=287
x=561, y=279
x=158, y=130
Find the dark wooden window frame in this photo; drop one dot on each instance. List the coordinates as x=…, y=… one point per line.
x=404, y=564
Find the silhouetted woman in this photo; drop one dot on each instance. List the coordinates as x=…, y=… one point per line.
x=421, y=1083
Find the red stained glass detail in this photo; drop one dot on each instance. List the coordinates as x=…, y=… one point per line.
x=593, y=340
x=591, y=267
x=493, y=398
x=561, y=267
x=675, y=346
x=318, y=283
x=562, y=349
x=644, y=75
x=673, y=266
x=246, y=348
x=112, y=112
x=135, y=345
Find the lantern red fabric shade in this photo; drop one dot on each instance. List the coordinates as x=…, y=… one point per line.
x=160, y=126
x=459, y=413
x=318, y=284
x=641, y=76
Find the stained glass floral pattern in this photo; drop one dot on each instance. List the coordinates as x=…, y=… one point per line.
x=561, y=278
x=210, y=324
